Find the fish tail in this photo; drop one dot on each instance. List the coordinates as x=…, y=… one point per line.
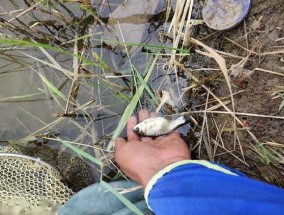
x=179, y=121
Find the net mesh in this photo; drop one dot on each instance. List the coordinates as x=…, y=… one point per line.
x=28, y=185
x=77, y=173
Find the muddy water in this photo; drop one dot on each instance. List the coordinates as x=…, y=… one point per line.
x=30, y=111
x=25, y=101
x=130, y=24
x=22, y=115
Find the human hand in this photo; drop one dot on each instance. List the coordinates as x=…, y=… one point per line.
x=141, y=158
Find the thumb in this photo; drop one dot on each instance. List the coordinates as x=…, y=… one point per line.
x=118, y=143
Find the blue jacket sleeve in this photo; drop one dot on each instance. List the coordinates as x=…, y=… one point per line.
x=201, y=187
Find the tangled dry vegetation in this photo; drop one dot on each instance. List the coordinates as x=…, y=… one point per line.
x=240, y=118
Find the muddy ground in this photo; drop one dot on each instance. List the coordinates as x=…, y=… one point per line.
x=255, y=41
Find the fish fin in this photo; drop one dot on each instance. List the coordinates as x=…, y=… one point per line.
x=186, y=118
x=177, y=122
x=181, y=120
x=168, y=117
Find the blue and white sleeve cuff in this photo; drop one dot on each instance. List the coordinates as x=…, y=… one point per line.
x=167, y=169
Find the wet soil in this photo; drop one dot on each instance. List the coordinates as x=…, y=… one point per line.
x=254, y=40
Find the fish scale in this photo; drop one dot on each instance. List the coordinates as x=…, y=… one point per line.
x=157, y=126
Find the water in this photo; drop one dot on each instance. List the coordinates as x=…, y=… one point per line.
x=58, y=24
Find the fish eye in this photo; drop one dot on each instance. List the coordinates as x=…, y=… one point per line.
x=136, y=129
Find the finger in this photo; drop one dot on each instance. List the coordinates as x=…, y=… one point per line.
x=153, y=114
x=144, y=114
x=161, y=139
x=175, y=132
x=131, y=135
x=118, y=143
x=146, y=139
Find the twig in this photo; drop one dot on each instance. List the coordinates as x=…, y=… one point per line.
x=281, y=51
x=268, y=71
x=228, y=54
x=250, y=51
x=24, y=12
x=236, y=113
x=222, y=64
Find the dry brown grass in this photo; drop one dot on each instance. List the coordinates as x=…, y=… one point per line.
x=213, y=128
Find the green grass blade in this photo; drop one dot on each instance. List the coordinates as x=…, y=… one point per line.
x=147, y=88
x=81, y=152
x=130, y=107
x=69, y=74
x=21, y=97
x=100, y=60
x=23, y=43
x=79, y=38
x=122, y=198
x=64, y=71
x=52, y=87
x=49, y=57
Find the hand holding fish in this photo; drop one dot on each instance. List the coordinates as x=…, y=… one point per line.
x=141, y=158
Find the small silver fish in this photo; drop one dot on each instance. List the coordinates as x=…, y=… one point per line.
x=156, y=126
